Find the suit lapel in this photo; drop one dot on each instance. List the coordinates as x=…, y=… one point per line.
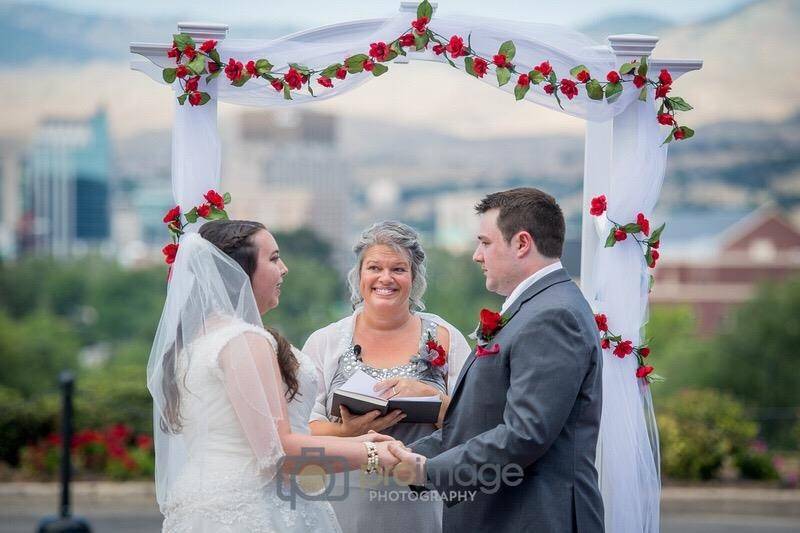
x=553, y=278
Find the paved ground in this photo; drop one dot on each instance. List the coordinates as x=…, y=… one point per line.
x=129, y=508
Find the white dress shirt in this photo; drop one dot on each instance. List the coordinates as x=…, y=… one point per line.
x=519, y=289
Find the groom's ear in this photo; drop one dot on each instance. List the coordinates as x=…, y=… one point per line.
x=523, y=243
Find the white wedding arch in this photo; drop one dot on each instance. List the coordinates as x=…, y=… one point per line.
x=624, y=159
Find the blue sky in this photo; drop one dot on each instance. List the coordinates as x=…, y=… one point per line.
x=315, y=12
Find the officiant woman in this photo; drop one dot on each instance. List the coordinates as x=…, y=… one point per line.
x=412, y=353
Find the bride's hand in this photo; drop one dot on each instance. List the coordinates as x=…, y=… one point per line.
x=373, y=436
x=404, y=387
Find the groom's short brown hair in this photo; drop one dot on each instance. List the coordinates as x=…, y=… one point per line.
x=528, y=209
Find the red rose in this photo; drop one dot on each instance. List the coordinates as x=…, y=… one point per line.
x=441, y=357
x=325, y=82
x=666, y=119
x=368, y=65
x=655, y=244
x=234, y=69
x=407, y=40
x=189, y=52
x=172, y=214
x=643, y=223
x=601, y=321
x=644, y=351
x=679, y=134
x=277, y=85
x=639, y=81
x=598, y=206
x=215, y=199
x=203, y=210
x=144, y=442
x=195, y=98
x=549, y=88
x=170, y=251
x=250, y=67
x=341, y=73
x=181, y=71
x=173, y=52
x=499, y=60
x=583, y=76
x=620, y=235
x=544, y=68
x=212, y=67
x=643, y=371
x=208, y=45
x=191, y=83
x=569, y=88
x=665, y=78
x=623, y=348
x=456, y=47
x=379, y=51
x=662, y=90
x=480, y=66
x=613, y=76
x=420, y=24
x=523, y=80
x=490, y=321
x=438, y=49
x=654, y=255
x=294, y=79
x=605, y=344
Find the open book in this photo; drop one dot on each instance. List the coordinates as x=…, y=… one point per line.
x=358, y=395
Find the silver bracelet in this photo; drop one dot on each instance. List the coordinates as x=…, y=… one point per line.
x=373, y=461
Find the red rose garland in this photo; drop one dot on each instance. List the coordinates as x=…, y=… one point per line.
x=639, y=230
x=213, y=209
x=193, y=63
x=623, y=348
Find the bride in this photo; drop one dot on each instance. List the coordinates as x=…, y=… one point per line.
x=232, y=399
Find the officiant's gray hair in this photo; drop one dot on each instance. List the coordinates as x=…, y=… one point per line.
x=405, y=240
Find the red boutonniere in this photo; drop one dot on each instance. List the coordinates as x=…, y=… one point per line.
x=490, y=324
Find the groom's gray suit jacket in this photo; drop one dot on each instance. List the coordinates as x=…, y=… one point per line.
x=535, y=404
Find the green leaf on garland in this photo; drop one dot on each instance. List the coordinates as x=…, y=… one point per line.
x=212, y=76
x=226, y=198
x=204, y=98
x=520, y=91
x=679, y=104
x=390, y=56
x=424, y=9
x=642, y=70
x=287, y=92
x=594, y=90
x=536, y=77
x=610, y=240
x=650, y=283
x=242, y=80
x=379, y=69
x=182, y=98
x=355, y=63
x=648, y=257
x=632, y=228
x=214, y=55
x=181, y=40
x=669, y=137
x=396, y=48
x=263, y=66
x=643, y=94
x=197, y=65
x=468, y=66
x=421, y=41
x=169, y=74
x=503, y=75
x=574, y=71
x=191, y=216
x=217, y=214
x=627, y=68
x=687, y=132
x=656, y=235
x=331, y=70
x=612, y=90
x=302, y=69
x=655, y=378
x=508, y=49
x=553, y=79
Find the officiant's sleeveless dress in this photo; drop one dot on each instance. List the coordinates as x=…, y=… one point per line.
x=372, y=503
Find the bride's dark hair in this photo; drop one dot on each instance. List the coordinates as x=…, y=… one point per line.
x=235, y=239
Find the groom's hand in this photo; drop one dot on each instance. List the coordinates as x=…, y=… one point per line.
x=410, y=469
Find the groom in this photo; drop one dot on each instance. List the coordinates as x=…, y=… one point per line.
x=517, y=446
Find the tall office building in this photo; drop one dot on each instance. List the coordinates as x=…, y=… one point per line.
x=66, y=187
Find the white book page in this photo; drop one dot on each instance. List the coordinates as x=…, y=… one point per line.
x=361, y=383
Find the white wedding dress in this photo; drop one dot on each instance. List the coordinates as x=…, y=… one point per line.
x=222, y=486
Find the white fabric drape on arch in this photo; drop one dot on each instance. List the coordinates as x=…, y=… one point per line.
x=628, y=447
